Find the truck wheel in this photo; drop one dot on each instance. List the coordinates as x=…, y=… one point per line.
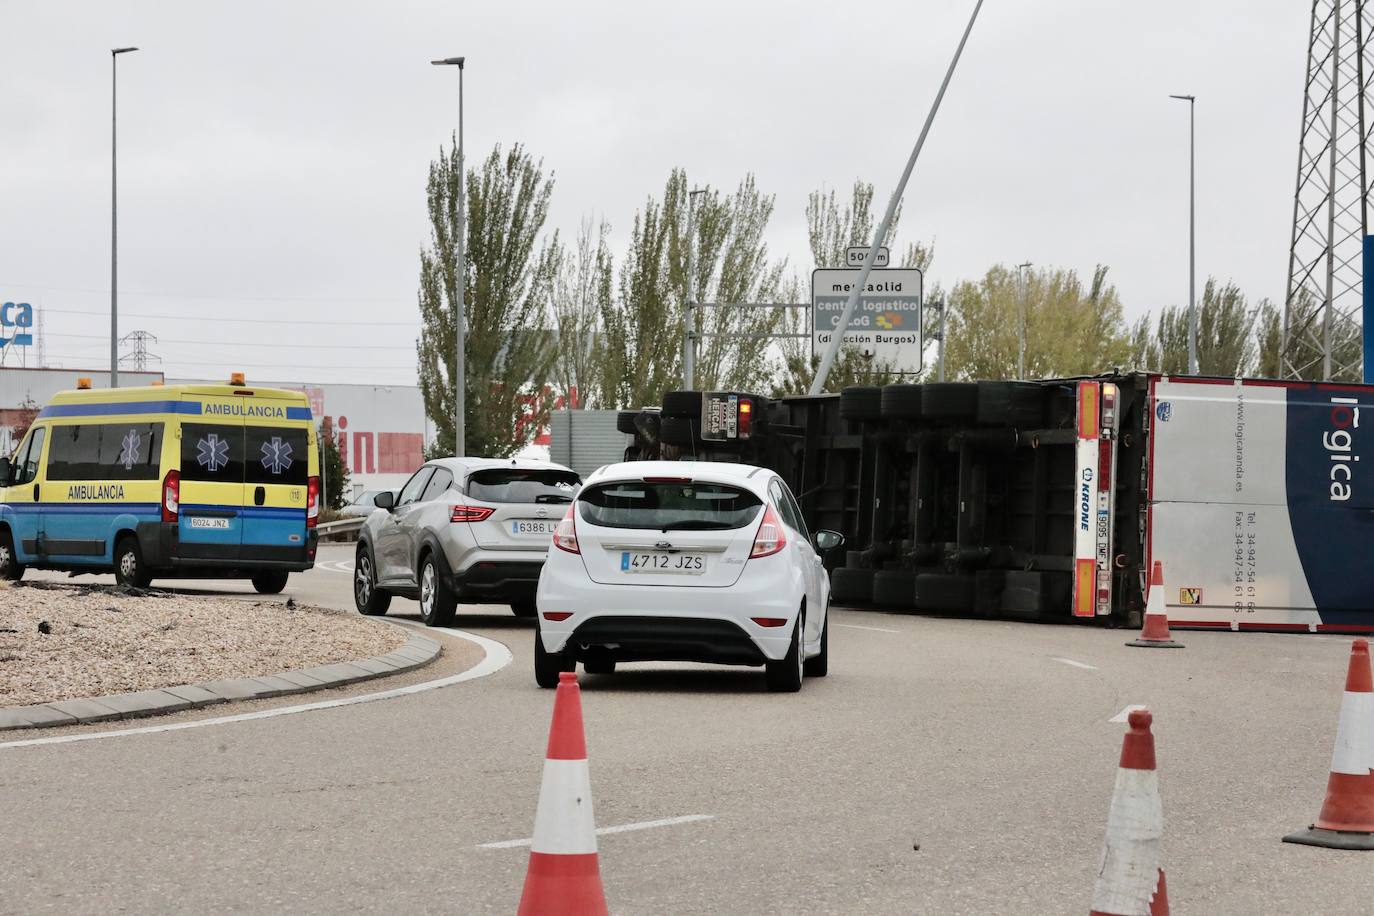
x=437, y=602
x=269, y=583
x=682, y=404
x=858, y=559
x=894, y=588
x=944, y=592
x=851, y=586
x=625, y=421
x=129, y=568
x=680, y=431
x=1017, y=404
x=949, y=400
x=861, y=402
x=367, y=597
x=11, y=570
x=902, y=402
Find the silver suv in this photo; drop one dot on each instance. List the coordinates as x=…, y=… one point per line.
x=462, y=529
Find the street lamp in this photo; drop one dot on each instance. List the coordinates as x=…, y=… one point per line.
x=689, y=343
x=1021, y=350
x=114, y=220
x=460, y=310
x=1192, y=234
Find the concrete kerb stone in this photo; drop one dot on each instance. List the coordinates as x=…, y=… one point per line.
x=417, y=652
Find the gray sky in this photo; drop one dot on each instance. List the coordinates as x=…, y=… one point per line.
x=273, y=155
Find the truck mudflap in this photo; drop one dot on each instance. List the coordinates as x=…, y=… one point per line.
x=1095, y=453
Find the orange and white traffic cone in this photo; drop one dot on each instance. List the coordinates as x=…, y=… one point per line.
x=1347, y=816
x=1155, y=633
x=1131, y=879
x=564, y=876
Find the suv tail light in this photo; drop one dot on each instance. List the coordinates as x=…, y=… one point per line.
x=769, y=539
x=171, y=496
x=565, y=535
x=470, y=513
x=312, y=502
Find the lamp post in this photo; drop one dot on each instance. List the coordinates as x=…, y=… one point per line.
x=114, y=217
x=1021, y=350
x=689, y=342
x=460, y=308
x=1192, y=233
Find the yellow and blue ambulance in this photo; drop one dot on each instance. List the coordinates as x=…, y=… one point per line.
x=181, y=481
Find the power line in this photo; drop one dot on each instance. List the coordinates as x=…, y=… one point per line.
x=323, y=300
x=370, y=324
x=368, y=366
x=226, y=343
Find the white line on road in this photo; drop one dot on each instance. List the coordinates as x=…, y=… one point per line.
x=497, y=657
x=1069, y=661
x=1120, y=718
x=855, y=626
x=623, y=828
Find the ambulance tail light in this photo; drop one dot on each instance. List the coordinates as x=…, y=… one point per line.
x=171, y=496
x=312, y=502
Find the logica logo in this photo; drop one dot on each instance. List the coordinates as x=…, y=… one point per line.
x=1339, y=443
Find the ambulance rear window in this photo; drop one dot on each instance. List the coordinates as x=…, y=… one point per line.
x=276, y=454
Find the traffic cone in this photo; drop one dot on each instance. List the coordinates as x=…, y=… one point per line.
x=564, y=876
x=1155, y=633
x=1347, y=816
x=1130, y=881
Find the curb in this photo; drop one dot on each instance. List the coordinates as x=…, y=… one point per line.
x=417, y=652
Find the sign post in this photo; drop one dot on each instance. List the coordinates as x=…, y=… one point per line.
x=886, y=323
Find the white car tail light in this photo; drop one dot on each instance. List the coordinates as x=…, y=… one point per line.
x=565, y=535
x=470, y=513
x=770, y=538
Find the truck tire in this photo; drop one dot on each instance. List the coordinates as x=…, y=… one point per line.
x=851, y=586
x=987, y=592
x=682, y=404
x=861, y=402
x=949, y=400
x=894, y=588
x=1017, y=404
x=858, y=559
x=944, y=592
x=680, y=431
x=625, y=422
x=902, y=402
x=1036, y=595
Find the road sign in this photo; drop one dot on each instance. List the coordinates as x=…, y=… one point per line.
x=886, y=323
x=854, y=257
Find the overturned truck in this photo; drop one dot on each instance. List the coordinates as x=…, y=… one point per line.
x=1049, y=500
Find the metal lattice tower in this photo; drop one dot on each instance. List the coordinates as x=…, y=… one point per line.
x=1321, y=321
x=139, y=356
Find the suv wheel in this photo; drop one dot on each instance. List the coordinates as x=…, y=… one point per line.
x=548, y=665
x=786, y=676
x=269, y=583
x=129, y=568
x=437, y=602
x=367, y=597
x=10, y=568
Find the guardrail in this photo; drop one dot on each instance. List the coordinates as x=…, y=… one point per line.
x=341, y=529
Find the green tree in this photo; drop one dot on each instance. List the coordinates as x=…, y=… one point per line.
x=510, y=274
x=334, y=471
x=1225, y=337
x=642, y=327
x=1069, y=330
x=582, y=292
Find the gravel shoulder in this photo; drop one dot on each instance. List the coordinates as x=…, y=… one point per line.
x=60, y=642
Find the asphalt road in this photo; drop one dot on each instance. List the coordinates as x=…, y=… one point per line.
x=986, y=743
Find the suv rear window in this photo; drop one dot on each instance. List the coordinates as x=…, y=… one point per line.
x=523, y=485
x=668, y=506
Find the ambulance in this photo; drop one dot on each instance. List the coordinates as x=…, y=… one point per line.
x=183, y=481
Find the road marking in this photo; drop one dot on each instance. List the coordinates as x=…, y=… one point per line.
x=623, y=828
x=1120, y=718
x=1069, y=661
x=855, y=626
x=497, y=657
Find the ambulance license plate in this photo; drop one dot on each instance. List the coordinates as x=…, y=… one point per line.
x=217, y=524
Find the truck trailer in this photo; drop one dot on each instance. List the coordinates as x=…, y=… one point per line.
x=1050, y=500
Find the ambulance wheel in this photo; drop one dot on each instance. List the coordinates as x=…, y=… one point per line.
x=11, y=570
x=269, y=583
x=129, y=568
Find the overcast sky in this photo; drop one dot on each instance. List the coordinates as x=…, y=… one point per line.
x=273, y=154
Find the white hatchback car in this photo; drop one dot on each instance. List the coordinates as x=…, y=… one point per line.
x=685, y=561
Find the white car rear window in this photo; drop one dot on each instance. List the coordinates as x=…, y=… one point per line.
x=668, y=506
